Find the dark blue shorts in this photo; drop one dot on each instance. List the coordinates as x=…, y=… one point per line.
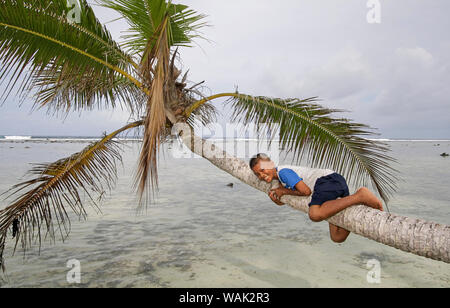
x=329, y=187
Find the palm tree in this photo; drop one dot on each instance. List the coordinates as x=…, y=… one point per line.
x=75, y=66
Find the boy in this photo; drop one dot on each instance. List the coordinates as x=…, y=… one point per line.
x=330, y=194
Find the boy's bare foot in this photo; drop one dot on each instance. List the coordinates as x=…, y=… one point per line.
x=368, y=198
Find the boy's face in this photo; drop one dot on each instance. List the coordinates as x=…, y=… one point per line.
x=264, y=170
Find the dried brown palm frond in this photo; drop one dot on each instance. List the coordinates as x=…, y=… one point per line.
x=155, y=120
x=42, y=210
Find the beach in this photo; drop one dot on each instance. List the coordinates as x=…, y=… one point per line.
x=200, y=232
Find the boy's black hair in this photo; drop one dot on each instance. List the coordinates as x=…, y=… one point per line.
x=253, y=162
x=255, y=159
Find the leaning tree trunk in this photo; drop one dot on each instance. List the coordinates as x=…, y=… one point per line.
x=416, y=236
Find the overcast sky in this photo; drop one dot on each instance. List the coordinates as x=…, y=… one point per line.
x=393, y=75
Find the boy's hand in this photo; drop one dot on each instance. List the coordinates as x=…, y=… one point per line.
x=276, y=194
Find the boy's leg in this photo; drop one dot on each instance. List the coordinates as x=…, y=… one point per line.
x=338, y=234
x=332, y=207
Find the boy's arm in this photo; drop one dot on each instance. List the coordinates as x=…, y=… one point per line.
x=301, y=189
x=274, y=198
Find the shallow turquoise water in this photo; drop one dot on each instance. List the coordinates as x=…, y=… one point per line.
x=202, y=233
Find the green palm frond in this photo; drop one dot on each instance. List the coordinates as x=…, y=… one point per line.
x=145, y=16
x=60, y=91
x=42, y=209
x=37, y=39
x=206, y=114
x=306, y=129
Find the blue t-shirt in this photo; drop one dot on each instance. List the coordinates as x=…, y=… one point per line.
x=289, y=178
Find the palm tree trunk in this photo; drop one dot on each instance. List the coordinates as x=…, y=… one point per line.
x=416, y=236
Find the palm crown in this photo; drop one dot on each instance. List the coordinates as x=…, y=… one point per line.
x=70, y=66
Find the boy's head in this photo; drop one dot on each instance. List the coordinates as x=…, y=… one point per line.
x=263, y=167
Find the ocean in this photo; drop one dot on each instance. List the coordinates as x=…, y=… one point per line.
x=200, y=232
